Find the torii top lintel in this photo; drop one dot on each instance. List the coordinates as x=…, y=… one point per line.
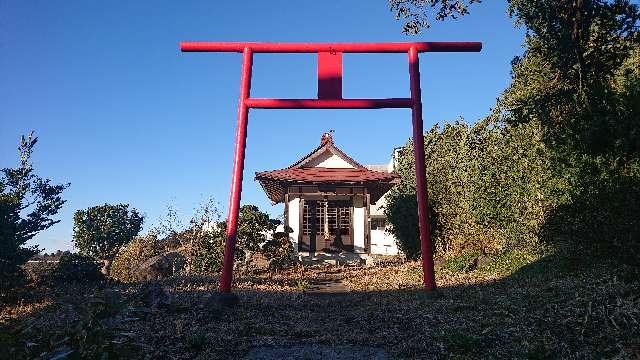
x=384, y=47
x=330, y=67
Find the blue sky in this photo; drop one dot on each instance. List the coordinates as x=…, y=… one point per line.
x=123, y=116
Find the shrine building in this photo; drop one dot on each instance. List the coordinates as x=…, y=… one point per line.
x=331, y=202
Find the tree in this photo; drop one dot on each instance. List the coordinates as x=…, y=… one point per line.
x=28, y=204
x=569, y=77
x=417, y=13
x=100, y=231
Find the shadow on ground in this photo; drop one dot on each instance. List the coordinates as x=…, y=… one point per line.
x=546, y=309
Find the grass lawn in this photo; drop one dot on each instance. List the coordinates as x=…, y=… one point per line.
x=517, y=306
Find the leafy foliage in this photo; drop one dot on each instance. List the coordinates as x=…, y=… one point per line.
x=253, y=227
x=579, y=78
x=486, y=187
x=602, y=221
x=558, y=158
x=27, y=206
x=205, y=249
x=204, y=240
x=74, y=268
x=417, y=13
x=100, y=231
x=134, y=254
x=207, y=238
x=576, y=75
x=279, y=250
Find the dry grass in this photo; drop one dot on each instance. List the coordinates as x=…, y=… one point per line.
x=535, y=311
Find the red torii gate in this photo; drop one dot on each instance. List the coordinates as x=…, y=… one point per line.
x=329, y=97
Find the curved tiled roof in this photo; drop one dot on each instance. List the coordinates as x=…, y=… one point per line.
x=326, y=175
x=276, y=182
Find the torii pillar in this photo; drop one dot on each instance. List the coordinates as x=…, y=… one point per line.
x=329, y=97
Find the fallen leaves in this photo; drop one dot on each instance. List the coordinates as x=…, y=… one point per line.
x=480, y=314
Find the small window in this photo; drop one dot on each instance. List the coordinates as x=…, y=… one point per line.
x=378, y=223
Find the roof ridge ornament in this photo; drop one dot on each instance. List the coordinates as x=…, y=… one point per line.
x=327, y=138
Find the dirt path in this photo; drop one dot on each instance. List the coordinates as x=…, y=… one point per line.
x=332, y=284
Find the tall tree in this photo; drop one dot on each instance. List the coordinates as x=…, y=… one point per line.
x=569, y=77
x=28, y=204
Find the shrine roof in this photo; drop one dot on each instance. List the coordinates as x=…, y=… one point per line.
x=276, y=182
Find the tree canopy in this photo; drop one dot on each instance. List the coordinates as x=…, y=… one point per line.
x=578, y=75
x=100, y=231
x=28, y=204
x=418, y=14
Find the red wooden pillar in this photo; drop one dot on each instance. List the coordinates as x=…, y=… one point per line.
x=238, y=167
x=426, y=247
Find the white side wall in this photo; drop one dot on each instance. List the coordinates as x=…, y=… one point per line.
x=358, y=225
x=383, y=243
x=294, y=221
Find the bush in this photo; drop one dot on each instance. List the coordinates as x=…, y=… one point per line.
x=205, y=250
x=602, y=221
x=100, y=231
x=39, y=272
x=487, y=187
x=279, y=250
x=495, y=188
x=204, y=240
x=134, y=254
x=76, y=268
x=202, y=243
x=253, y=226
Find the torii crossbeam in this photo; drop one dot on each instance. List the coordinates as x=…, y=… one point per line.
x=329, y=97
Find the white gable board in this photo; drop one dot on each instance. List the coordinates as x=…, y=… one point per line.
x=329, y=160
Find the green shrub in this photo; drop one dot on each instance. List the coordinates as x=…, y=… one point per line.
x=460, y=262
x=78, y=268
x=487, y=187
x=39, y=272
x=253, y=225
x=100, y=231
x=603, y=220
x=204, y=240
x=204, y=249
x=279, y=250
x=132, y=255
x=512, y=260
